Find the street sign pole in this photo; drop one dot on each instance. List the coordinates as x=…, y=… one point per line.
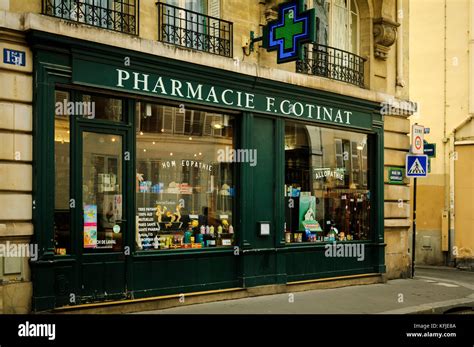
x=413, y=245
x=416, y=166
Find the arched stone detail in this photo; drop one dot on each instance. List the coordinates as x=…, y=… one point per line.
x=365, y=29
x=366, y=15
x=385, y=28
x=271, y=10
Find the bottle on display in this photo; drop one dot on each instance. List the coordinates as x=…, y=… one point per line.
x=187, y=235
x=219, y=236
x=212, y=241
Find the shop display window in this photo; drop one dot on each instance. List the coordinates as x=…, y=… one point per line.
x=102, y=192
x=327, y=186
x=62, y=165
x=184, y=191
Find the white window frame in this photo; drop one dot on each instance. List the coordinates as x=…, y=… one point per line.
x=332, y=24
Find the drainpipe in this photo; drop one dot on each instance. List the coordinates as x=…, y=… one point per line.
x=447, y=164
x=452, y=157
x=400, y=81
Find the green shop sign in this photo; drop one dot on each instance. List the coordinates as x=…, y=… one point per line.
x=395, y=175
x=124, y=79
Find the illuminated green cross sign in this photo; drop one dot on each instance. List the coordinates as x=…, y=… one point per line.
x=289, y=30
x=287, y=33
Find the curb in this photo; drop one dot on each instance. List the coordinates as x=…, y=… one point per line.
x=436, y=307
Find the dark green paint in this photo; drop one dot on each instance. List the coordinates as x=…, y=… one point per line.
x=168, y=86
x=260, y=260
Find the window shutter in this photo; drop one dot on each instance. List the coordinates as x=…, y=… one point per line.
x=340, y=25
x=339, y=155
x=207, y=124
x=209, y=120
x=217, y=119
x=167, y=119
x=214, y=8
x=179, y=123
x=355, y=164
x=322, y=21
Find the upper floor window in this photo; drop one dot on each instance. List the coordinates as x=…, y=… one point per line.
x=334, y=54
x=117, y=15
x=200, y=6
x=195, y=24
x=337, y=24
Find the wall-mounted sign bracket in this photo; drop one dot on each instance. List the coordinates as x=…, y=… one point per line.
x=254, y=39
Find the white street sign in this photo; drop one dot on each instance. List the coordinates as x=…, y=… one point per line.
x=417, y=134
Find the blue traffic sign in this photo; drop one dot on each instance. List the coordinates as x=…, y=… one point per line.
x=430, y=150
x=416, y=165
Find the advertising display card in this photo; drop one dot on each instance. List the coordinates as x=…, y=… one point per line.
x=307, y=213
x=90, y=226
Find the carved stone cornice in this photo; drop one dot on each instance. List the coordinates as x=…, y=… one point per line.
x=271, y=10
x=385, y=35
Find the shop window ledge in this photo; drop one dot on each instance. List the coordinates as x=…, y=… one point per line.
x=182, y=252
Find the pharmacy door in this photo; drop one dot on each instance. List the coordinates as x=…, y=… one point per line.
x=103, y=173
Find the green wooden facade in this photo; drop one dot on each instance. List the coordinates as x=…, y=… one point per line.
x=59, y=62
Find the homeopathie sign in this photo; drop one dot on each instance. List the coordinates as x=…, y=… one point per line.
x=90, y=73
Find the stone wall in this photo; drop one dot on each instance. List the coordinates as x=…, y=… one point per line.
x=397, y=199
x=16, y=155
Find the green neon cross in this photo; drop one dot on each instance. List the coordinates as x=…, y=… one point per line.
x=288, y=30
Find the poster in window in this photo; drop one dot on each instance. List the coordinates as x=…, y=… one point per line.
x=90, y=226
x=307, y=215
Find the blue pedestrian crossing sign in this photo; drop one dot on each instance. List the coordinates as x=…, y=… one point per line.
x=416, y=165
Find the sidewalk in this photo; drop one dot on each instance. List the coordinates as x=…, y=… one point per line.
x=433, y=290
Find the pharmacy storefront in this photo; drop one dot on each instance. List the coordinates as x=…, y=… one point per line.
x=157, y=177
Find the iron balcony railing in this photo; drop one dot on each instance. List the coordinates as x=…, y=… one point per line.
x=194, y=30
x=117, y=15
x=333, y=63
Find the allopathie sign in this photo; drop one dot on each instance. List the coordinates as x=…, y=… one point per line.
x=164, y=86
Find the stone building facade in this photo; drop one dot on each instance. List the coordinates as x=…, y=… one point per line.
x=378, y=35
